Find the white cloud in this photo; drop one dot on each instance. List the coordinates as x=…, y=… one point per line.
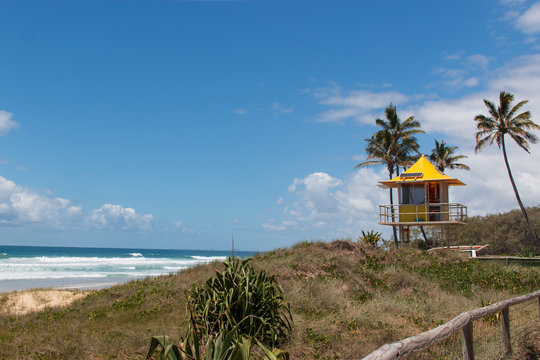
x=512, y=2
x=23, y=206
x=529, y=21
x=330, y=207
x=116, y=217
x=342, y=206
x=488, y=187
x=454, y=56
x=521, y=76
x=280, y=109
x=334, y=207
x=6, y=123
x=454, y=117
x=356, y=104
x=456, y=78
x=240, y=111
x=472, y=81
x=273, y=225
x=479, y=60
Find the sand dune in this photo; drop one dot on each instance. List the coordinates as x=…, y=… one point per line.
x=22, y=302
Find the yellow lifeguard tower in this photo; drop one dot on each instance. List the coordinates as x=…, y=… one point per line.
x=422, y=200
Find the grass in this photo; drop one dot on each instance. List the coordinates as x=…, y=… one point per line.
x=346, y=300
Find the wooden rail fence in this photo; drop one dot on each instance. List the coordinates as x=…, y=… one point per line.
x=463, y=322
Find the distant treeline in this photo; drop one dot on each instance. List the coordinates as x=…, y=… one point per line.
x=506, y=234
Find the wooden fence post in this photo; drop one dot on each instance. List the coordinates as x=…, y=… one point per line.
x=467, y=343
x=506, y=330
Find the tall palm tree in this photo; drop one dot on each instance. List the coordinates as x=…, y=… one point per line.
x=403, y=135
x=504, y=120
x=392, y=146
x=443, y=157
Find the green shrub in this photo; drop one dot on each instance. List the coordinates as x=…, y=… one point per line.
x=506, y=234
x=228, y=298
x=231, y=312
x=228, y=345
x=370, y=237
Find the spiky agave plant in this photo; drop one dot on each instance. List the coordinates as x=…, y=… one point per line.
x=233, y=311
x=370, y=237
x=227, y=345
x=239, y=298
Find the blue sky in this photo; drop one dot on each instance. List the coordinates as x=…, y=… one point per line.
x=172, y=124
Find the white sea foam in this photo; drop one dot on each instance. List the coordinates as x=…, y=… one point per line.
x=30, y=267
x=173, y=267
x=58, y=267
x=209, y=258
x=49, y=275
x=85, y=261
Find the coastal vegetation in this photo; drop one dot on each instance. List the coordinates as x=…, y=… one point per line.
x=442, y=156
x=505, y=120
x=233, y=311
x=346, y=299
x=505, y=234
x=393, y=146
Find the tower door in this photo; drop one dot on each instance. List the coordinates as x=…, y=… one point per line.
x=434, y=199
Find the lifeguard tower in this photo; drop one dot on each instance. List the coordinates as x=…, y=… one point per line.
x=422, y=201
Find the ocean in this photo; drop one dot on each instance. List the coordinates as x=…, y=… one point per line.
x=27, y=267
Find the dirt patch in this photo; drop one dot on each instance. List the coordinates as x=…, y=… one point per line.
x=22, y=302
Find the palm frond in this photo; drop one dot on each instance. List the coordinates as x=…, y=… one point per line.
x=491, y=108
x=368, y=163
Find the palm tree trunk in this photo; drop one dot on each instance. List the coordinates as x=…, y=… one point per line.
x=392, y=211
x=531, y=228
x=393, y=226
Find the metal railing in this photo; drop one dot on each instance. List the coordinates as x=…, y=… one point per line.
x=437, y=212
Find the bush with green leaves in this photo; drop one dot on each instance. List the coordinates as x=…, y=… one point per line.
x=229, y=314
x=227, y=345
x=240, y=298
x=370, y=237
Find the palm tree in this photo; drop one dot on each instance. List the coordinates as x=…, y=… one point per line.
x=443, y=157
x=504, y=121
x=392, y=146
x=403, y=135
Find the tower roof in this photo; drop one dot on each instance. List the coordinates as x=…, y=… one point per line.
x=421, y=171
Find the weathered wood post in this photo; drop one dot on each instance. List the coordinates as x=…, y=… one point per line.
x=506, y=330
x=467, y=343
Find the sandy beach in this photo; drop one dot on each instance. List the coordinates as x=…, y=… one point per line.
x=22, y=302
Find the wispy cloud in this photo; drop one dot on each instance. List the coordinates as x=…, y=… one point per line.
x=529, y=21
x=453, y=117
x=116, y=217
x=461, y=70
x=280, y=109
x=240, y=111
x=341, y=206
x=358, y=105
x=6, y=122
